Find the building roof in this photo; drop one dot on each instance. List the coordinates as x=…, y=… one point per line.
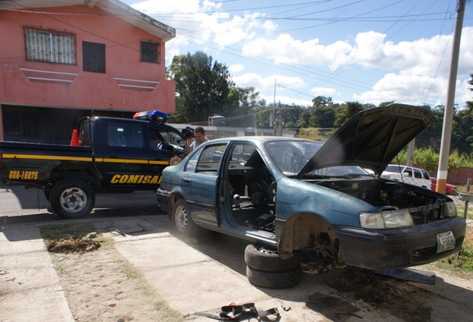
x=114, y=7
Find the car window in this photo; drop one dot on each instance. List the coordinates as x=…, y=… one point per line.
x=426, y=175
x=417, y=174
x=125, y=135
x=291, y=156
x=394, y=168
x=407, y=172
x=210, y=158
x=241, y=154
x=192, y=162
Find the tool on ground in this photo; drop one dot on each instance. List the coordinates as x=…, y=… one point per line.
x=244, y=312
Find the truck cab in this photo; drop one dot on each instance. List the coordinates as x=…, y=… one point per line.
x=112, y=155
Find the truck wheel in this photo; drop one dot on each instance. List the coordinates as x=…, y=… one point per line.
x=182, y=220
x=72, y=198
x=275, y=280
x=267, y=260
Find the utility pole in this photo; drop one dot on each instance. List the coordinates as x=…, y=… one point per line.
x=410, y=152
x=448, y=113
x=274, y=123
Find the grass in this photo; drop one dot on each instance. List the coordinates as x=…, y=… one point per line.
x=461, y=210
x=463, y=261
x=314, y=133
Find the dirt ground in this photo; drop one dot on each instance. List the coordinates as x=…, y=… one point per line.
x=100, y=285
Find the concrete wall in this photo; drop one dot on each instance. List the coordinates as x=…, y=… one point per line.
x=87, y=90
x=460, y=176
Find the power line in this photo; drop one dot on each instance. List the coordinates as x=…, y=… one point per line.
x=330, y=9
x=358, y=15
x=293, y=69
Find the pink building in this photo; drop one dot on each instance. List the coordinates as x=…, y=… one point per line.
x=64, y=59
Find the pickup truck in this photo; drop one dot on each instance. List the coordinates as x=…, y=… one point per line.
x=113, y=155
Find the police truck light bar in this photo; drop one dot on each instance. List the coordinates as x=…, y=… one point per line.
x=154, y=115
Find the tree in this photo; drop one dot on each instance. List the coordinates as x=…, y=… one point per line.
x=202, y=86
x=346, y=111
x=321, y=101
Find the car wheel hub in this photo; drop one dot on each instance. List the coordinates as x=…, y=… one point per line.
x=73, y=200
x=182, y=219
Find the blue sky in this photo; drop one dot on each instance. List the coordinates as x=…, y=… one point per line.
x=365, y=50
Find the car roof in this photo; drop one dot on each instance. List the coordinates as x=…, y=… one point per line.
x=259, y=139
x=406, y=166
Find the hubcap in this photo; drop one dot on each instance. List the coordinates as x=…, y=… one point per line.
x=182, y=219
x=73, y=200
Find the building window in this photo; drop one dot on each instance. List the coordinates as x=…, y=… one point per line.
x=50, y=46
x=93, y=57
x=150, y=52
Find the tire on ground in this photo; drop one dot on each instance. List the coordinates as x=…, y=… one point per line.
x=265, y=260
x=185, y=226
x=77, y=191
x=274, y=280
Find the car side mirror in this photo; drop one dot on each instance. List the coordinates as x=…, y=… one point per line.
x=407, y=174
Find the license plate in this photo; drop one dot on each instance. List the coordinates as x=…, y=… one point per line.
x=445, y=241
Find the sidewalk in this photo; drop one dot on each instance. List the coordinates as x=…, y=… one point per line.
x=29, y=285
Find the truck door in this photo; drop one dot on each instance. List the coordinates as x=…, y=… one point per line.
x=121, y=151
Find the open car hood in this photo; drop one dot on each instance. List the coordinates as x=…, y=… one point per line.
x=371, y=138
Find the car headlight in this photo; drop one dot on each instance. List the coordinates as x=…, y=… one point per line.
x=451, y=209
x=386, y=219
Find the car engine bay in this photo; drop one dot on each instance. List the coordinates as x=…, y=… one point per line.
x=424, y=205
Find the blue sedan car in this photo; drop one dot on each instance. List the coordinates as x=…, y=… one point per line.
x=296, y=196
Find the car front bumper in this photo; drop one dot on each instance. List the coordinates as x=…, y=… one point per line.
x=403, y=247
x=162, y=197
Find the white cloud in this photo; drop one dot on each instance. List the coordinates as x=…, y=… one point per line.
x=416, y=70
x=205, y=22
x=285, y=49
x=323, y=91
x=405, y=88
x=265, y=83
x=236, y=68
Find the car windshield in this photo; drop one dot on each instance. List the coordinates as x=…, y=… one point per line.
x=291, y=157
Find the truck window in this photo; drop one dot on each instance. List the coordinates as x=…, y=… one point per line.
x=125, y=135
x=171, y=137
x=84, y=135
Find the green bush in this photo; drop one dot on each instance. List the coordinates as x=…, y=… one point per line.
x=428, y=159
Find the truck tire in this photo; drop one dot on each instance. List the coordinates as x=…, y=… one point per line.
x=274, y=280
x=266, y=260
x=182, y=220
x=72, y=198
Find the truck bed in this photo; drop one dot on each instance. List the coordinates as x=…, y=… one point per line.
x=11, y=147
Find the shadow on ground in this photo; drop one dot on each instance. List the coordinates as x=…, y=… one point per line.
x=337, y=294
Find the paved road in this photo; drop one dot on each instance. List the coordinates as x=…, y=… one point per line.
x=19, y=204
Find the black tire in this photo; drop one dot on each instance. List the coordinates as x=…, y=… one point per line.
x=274, y=280
x=183, y=221
x=69, y=192
x=266, y=260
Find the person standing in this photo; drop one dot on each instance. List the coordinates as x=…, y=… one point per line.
x=199, y=138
